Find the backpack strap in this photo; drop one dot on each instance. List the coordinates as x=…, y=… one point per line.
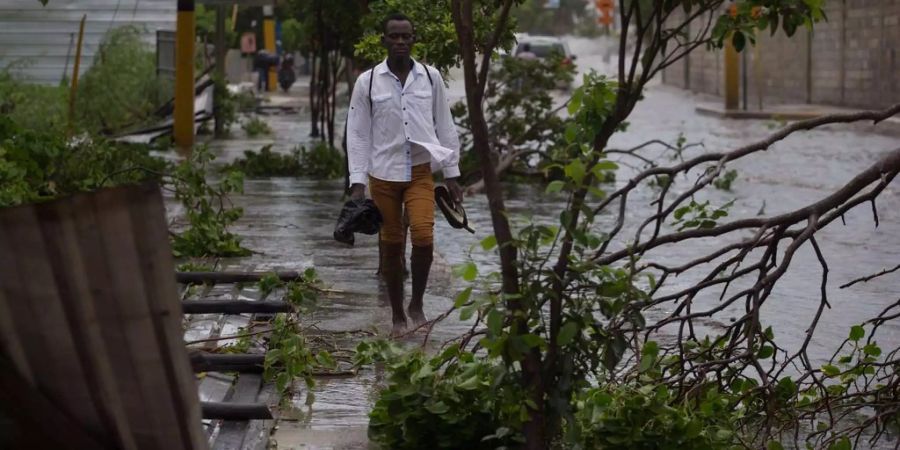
x=430, y=81
x=371, y=77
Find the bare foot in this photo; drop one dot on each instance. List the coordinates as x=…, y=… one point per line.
x=398, y=329
x=418, y=317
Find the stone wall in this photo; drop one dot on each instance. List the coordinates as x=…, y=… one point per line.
x=852, y=60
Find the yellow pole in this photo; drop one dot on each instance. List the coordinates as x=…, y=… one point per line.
x=233, y=16
x=74, y=88
x=732, y=82
x=184, y=77
x=269, y=37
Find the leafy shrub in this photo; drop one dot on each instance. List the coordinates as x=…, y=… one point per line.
x=649, y=417
x=255, y=127
x=267, y=163
x=121, y=88
x=36, y=166
x=454, y=400
x=206, y=211
x=32, y=106
x=229, y=104
x=320, y=162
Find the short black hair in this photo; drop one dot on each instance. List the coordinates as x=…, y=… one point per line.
x=395, y=16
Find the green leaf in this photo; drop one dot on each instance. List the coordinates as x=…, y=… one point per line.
x=462, y=298
x=841, y=444
x=606, y=165
x=467, y=313
x=470, y=384
x=425, y=372
x=872, y=350
x=596, y=192
x=555, y=186
x=575, y=101
x=786, y=387
x=532, y=340
x=575, y=171
x=830, y=371
x=857, y=332
x=566, y=333
x=438, y=408
x=738, y=41
x=468, y=271
x=571, y=133
x=495, y=322
x=489, y=242
x=765, y=351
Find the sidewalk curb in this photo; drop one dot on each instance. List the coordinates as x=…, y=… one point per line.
x=889, y=126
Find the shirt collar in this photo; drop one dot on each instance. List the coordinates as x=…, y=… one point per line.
x=382, y=68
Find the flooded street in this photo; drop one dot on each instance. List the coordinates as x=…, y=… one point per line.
x=288, y=223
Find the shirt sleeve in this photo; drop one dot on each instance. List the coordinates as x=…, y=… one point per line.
x=359, y=131
x=445, y=128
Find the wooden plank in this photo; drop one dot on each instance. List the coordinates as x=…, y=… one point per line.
x=148, y=218
x=34, y=414
x=40, y=320
x=10, y=344
x=234, y=307
x=211, y=362
x=58, y=228
x=115, y=326
x=153, y=422
x=235, y=411
x=231, y=277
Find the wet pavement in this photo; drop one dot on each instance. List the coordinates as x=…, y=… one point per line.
x=288, y=223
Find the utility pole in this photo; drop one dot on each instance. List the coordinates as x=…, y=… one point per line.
x=269, y=42
x=184, y=78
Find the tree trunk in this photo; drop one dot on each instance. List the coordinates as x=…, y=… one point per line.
x=313, y=79
x=532, y=378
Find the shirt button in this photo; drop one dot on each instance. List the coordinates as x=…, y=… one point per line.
x=405, y=123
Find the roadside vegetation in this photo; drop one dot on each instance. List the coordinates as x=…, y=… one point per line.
x=319, y=162
x=562, y=352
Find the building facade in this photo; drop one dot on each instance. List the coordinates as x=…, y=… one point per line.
x=852, y=59
x=38, y=43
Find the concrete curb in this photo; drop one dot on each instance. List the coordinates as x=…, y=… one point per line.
x=790, y=113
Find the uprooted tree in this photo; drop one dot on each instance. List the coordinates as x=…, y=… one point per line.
x=572, y=357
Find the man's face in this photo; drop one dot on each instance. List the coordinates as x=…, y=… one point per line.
x=398, y=38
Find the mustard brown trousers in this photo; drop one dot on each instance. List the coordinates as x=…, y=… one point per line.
x=417, y=195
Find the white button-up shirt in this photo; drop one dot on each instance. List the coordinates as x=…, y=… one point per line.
x=407, y=125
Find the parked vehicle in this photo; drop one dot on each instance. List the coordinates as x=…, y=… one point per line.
x=542, y=47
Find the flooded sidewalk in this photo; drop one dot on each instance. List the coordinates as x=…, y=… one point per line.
x=288, y=223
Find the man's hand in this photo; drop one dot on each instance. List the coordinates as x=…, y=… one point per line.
x=358, y=192
x=456, y=192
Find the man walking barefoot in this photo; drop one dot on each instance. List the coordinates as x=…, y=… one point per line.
x=399, y=130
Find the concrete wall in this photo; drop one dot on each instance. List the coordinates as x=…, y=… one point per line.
x=852, y=60
x=38, y=42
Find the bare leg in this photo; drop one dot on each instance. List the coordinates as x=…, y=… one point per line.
x=421, y=264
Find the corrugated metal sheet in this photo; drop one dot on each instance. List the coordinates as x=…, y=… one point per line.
x=38, y=42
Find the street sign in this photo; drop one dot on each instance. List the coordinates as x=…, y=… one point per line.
x=248, y=43
x=605, y=8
